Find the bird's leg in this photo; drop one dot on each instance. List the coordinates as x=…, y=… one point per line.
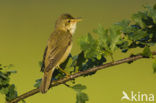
x=67, y=74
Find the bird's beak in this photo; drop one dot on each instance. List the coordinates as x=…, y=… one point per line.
x=76, y=19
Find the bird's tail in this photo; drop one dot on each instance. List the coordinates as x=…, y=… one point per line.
x=46, y=80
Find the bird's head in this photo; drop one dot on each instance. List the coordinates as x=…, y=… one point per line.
x=67, y=23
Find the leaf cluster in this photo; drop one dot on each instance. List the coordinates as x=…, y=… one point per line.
x=5, y=87
x=81, y=97
x=138, y=32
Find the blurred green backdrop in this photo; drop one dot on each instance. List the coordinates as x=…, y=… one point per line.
x=25, y=26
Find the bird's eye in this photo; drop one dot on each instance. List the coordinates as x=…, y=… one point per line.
x=68, y=21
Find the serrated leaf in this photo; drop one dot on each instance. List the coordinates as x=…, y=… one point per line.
x=38, y=82
x=138, y=19
x=4, y=90
x=151, y=12
x=2, y=75
x=81, y=97
x=89, y=45
x=4, y=82
x=12, y=93
x=78, y=60
x=115, y=37
x=123, y=25
x=79, y=87
x=137, y=35
x=147, y=52
x=99, y=56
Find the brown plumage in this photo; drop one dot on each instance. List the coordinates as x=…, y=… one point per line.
x=58, y=48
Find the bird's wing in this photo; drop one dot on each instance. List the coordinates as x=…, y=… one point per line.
x=44, y=55
x=57, y=47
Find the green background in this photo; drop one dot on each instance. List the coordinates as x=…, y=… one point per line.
x=25, y=26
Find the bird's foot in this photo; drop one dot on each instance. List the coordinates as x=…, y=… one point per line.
x=63, y=71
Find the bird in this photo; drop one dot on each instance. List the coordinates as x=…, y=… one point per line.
x=58, y=48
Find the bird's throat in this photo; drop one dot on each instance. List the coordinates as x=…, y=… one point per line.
x=72, y=28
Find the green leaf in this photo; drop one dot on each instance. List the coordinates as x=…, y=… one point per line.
x=38, y=82
x=137, y=35
x=154, y=66
x=123, y=25
x=5, y=86
x=99, y=56
x=151, y=12
x=81, y=97
x=4, y=90
x=147, y=52
x=4, y=82
x=138, y=19
x=78, y=60
x=79, y=87
x=89, y=45
x=2, y=75
x=100, y=30
x=12, y=93
x=115, y=37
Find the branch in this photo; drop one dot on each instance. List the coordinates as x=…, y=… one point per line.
x=73, y=76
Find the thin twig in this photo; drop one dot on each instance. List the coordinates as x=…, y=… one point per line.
x=67, y=85
x=71, y=77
